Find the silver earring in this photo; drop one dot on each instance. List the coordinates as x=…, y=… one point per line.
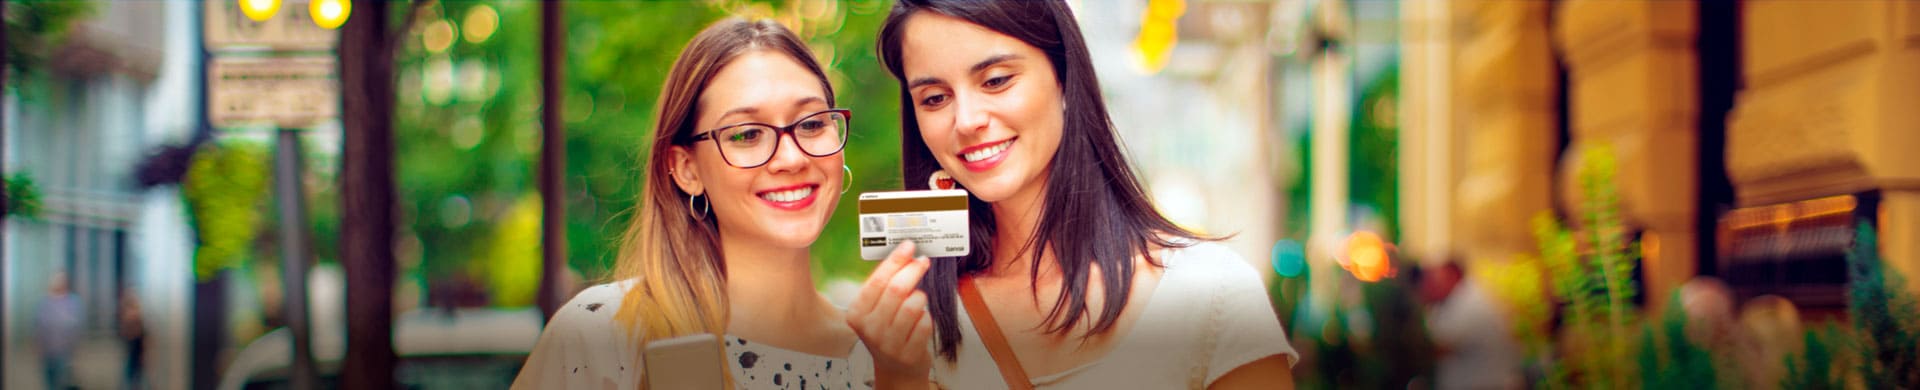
x=848, y=179
x=706, y=207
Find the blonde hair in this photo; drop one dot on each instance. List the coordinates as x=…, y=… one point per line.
x=672, y=254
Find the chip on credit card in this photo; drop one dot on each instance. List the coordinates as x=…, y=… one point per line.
x=936, y=222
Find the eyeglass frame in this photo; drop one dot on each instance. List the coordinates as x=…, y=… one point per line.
x=779, y=132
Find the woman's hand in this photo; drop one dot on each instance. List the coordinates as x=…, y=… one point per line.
x=890, y=315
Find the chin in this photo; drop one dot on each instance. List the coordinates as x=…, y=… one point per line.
x=993, y=188
x=793, y=234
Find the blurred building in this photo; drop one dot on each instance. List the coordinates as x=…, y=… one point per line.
x=1751, y=136
x=124, y=81
x=1186, y=86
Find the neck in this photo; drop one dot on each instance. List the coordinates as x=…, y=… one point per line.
x=768, y=285
x=1016, y=219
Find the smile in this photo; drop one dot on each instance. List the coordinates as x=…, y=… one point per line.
x=790, y=198
x=986, y=156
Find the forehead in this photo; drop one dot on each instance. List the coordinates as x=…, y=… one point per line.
x=762, y=79
x=934, y=44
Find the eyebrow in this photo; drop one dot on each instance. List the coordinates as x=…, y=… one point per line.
x=976, y=68
x=750, y=110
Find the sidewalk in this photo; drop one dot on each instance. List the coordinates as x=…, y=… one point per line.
x=98, y=363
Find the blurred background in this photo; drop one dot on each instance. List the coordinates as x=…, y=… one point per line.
x=1441, y=194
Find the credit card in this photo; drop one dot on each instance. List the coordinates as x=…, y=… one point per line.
x=935, y=220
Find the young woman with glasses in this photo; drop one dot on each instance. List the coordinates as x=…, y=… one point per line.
x=744, y=171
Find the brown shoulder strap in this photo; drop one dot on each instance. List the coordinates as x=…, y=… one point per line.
x=990, y=335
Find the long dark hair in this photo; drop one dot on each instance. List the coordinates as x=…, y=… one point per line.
x=1094, y=212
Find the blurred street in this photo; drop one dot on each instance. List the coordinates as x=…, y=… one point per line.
x=245, y=194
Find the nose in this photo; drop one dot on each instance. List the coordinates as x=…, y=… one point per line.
x=787, y=156
x=969, y=112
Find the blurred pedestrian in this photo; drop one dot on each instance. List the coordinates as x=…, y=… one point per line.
x=133, y=330
x=58, y=326
x=1470, y=331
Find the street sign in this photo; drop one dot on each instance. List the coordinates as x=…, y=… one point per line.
x=291, y=28
x=284, y=91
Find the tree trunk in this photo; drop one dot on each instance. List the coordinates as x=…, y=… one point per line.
x=209, y=329
x=367, y=196
x=3, y=147
x=553, y=161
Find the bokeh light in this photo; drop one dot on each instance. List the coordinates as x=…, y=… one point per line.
x=480, y=23
x=1367, y=257
x=438, y=36
x=1289, y=258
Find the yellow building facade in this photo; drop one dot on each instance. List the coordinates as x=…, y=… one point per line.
x=1819, y=110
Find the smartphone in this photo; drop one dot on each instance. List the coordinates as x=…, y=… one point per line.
x=686, y=362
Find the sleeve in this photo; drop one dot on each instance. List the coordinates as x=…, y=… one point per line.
x=1245, y=327
x=583, y=347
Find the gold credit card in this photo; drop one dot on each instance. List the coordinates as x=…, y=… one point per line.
x=935, y=220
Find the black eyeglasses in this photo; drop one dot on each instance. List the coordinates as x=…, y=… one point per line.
x=750, y=145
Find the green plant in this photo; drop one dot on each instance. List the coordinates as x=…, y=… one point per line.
x=1669, y=359
x=1883, y=315
x=22, y=197
x=225, y=187
x=1595, y=280
x=1814, y=368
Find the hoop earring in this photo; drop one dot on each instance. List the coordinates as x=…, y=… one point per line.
x=848, y=179
x=702, y=215
x=940, y=180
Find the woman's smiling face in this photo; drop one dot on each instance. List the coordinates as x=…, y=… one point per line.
x=989, y=106
x=786, y=201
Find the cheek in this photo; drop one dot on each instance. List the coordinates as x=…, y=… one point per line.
x=1044, y=108
x=933, y=132
x=834, y=166
x=724, y=180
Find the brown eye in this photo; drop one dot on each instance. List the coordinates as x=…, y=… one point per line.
x=933, y=100
x=997, y=82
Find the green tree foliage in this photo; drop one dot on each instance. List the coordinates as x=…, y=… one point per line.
x=34, y=29
x=468, y=126
x=225, y=189
x=1375, y=141
x=22, y=197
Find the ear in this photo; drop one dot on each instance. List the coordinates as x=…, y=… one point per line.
x=685, y=170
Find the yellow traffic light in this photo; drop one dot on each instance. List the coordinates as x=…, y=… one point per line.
x=259, y=10
x=330, y=14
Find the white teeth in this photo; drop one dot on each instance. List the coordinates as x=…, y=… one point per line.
x=793, y=195
x=983, y=154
